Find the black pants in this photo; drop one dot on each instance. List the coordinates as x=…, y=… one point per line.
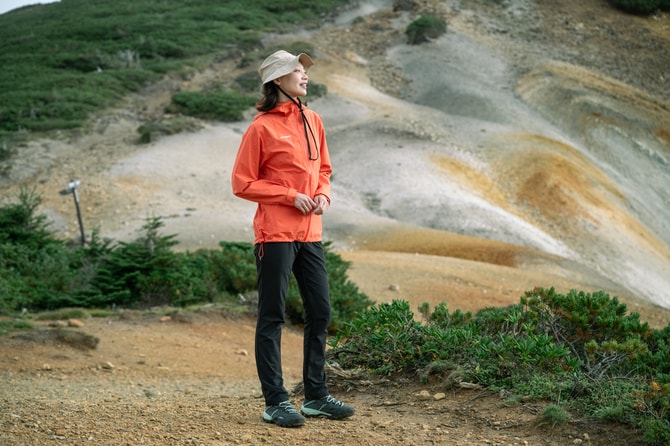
x=274, y=264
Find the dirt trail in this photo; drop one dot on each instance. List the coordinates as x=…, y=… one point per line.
x=191, y=380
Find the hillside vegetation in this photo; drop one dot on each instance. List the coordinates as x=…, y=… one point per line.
x=65, y=60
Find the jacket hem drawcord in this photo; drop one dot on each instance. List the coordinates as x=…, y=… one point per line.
x=261, y=251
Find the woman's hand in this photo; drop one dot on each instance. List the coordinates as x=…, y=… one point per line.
x=304, y=204
x=322, y=204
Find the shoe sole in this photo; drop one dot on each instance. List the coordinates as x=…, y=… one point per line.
x=317, y=413
x=295, y=423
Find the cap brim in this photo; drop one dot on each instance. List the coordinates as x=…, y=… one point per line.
x=305, y=60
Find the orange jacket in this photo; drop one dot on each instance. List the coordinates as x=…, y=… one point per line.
x=273, y=165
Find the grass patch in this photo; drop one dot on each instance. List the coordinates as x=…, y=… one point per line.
x=9, y=326
x=62, y=314
x=554, y=415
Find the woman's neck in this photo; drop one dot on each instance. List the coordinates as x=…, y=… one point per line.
x=285, y=97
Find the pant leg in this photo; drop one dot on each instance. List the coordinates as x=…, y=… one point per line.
x=273, y=265
x=310, y=272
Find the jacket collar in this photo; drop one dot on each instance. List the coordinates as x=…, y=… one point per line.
x=286, y=108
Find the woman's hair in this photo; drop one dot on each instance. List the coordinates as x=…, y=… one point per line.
x=269, y=99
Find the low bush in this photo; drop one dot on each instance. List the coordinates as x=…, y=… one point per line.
x=145, y=273
x=35, y=267
x=212, y=105
x=424, y=29
x=554, y=414
x=580, y=351
x=640, y=7
x=151, y=130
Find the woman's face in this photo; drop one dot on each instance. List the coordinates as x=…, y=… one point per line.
x=294, y=83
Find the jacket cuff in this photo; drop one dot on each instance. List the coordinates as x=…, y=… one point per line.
x=324, y=195
x=291, y=195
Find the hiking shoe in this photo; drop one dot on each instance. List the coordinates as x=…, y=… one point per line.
x=327, y=407
x=284, y=415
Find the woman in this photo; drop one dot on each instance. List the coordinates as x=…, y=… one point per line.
x=283, y=165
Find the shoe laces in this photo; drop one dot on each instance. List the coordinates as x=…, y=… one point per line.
x=330, y=399
x=288, y=407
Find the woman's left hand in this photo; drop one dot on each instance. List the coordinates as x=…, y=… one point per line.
x=322, y=204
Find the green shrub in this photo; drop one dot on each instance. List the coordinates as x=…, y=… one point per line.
x=578, y=349
x=656, y=431
x=384, y=339
x=641, y=7
x=151, y=130
x=214, y=105
x=248, y=82
x=233, y=267
x=317, y=90
x=21, y=226
x=36, y=269
x=594, y=327
x=425, y=28
x=146, y=273
x=554, y=415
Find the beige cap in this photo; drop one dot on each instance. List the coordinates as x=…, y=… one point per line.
x=281, y=63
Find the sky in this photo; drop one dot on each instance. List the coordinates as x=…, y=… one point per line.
x=8, y=5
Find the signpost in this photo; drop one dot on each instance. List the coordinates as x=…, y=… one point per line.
x=72, y=189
